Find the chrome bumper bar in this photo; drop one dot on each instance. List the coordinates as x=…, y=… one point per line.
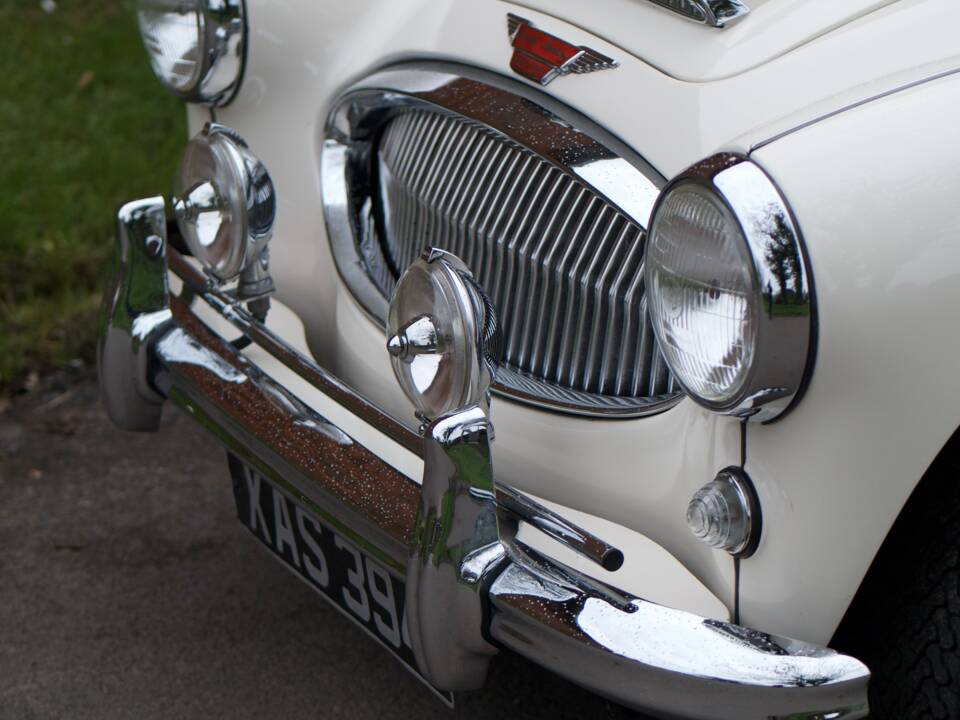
x=662, y=661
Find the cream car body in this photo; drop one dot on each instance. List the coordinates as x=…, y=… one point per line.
x=833, y=475
x=849, y=108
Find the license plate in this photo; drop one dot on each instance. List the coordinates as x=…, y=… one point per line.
x=358, y=585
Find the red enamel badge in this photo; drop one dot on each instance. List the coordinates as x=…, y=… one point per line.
x=540, y=56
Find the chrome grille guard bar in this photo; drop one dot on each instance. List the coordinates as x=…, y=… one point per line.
x=496, y=592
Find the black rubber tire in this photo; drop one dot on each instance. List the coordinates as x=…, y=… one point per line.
x=905, y=620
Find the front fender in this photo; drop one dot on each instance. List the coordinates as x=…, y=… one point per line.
x=875, y=192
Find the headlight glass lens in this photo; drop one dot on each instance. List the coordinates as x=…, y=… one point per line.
x=210, y=204
x=197, y=47
x=173, y=32
x=433, y=340
x=434, y=362
x=702, y=293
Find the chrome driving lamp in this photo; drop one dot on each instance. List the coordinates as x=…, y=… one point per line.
x=441, y=330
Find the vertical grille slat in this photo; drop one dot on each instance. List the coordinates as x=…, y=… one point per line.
x=524, y=293
x=615, y=361
x=537, y=260
x=562, y=265
x=592, y=374
x=545, y=325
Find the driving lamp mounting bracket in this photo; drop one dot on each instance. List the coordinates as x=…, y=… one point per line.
x=466, y=525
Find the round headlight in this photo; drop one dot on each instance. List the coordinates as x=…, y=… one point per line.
x=196, y=47
x=728, y=289
x=224, y=202
x=441, y=329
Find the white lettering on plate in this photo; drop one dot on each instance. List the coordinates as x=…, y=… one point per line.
x=358, y=603
x=318, y=572
x=256, y=512
x=283, y=528
x=388, y=627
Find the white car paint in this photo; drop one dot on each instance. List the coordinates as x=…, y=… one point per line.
x=831, y=476
x=695, y=52
x=875, y=190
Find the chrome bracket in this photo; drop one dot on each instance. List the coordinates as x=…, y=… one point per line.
x=466, y=524
x=441, y=325
x=135, y=305
x=456, y=549
x=715, y=13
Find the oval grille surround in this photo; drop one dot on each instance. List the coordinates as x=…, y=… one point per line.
x=562, y=265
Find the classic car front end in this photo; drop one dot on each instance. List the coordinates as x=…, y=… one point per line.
x=669, y=258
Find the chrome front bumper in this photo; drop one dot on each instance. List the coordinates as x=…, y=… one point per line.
x=667, y=662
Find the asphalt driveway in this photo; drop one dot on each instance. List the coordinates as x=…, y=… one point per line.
x=128, y=589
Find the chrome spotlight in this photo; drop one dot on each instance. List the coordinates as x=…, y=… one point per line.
x=225, y=206
x=443, y=336
x=442, y=333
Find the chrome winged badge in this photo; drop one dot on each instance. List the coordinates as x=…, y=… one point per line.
x=540, y=57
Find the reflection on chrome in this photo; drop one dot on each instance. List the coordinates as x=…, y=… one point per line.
x=717, y=13
x=301, y=414
x=144, y=325
x=504, y=177
x=196, y=49
x=179, y=347
x=171, y=33
x=683, y=664
x=685, y=640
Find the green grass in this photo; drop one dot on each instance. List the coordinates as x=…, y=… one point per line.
x=84, y=126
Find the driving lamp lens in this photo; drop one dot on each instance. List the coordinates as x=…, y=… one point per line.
x=433, y=336
x=702, y=293
x=173, y=32
x=210, y=203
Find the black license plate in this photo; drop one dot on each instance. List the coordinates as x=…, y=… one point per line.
x=356, y=583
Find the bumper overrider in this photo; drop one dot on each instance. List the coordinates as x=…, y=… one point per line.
x=471, y=587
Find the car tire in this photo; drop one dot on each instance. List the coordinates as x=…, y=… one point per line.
x=905, y=620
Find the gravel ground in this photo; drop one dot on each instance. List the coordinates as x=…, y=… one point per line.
x=129, y=589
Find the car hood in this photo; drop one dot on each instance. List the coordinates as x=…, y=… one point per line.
x=694, y=52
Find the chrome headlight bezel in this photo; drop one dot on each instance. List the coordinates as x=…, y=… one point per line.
x=783, y=352
x=222, y=50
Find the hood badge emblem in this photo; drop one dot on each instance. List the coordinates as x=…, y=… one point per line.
x=541, y=57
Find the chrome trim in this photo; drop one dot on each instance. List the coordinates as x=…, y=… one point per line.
x=716, y=13
x=305, y=368
x=223, y=53
x=523, y=116
x=508, y=500
x=455, y=553
x=227, y=32
x=668, y=662
x=786, y=343
x=583, y=542
x=135, y=307
x=642, y=655
x=850, y=106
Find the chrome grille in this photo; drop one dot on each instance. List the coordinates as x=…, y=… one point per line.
x=562, y=265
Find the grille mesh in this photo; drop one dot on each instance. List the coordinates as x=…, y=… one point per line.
x=562, y=265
